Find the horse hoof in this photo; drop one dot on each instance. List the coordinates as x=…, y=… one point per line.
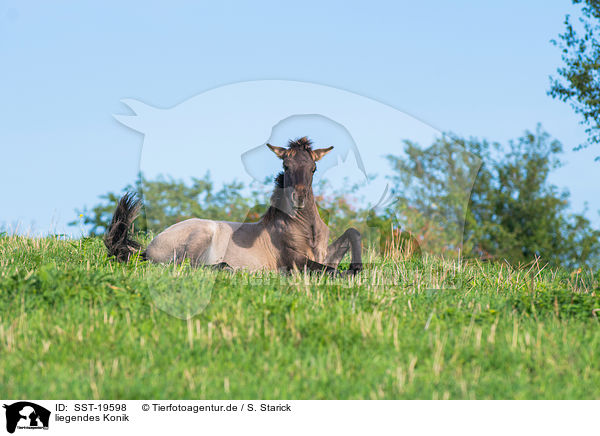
x=223, y=266
x=355, y=268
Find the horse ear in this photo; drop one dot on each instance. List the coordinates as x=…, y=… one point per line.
x=279, y=151
x=319, y=153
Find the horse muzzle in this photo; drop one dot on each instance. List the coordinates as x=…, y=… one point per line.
x=298, y=200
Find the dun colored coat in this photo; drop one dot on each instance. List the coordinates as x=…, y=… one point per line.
x=290, y=235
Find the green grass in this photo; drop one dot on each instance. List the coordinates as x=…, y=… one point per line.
x=75, y=325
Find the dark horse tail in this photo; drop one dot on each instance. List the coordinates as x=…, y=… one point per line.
x=117, y=239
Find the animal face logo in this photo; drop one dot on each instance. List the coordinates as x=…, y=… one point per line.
x=26, y=415
x=234, y=130
x=226, y=130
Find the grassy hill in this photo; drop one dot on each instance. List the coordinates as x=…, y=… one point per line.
x=75, y=325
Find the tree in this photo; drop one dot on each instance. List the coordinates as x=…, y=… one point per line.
x=431, y=188
x=168, y=201
x=446, y=200
x=513, y=212
x=579, y=79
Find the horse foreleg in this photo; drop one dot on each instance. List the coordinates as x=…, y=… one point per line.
x=311, y=265
x=350, y=240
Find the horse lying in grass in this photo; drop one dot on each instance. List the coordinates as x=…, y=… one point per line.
x=290, y=235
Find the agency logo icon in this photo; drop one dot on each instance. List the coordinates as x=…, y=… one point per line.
x=26, y=415
x=369, y=180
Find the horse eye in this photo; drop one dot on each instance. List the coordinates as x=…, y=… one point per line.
x=285, y=167
x=314, y=169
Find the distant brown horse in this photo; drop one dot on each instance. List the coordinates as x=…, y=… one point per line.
x=290, y=235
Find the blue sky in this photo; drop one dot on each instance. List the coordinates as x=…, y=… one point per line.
x=475, y=68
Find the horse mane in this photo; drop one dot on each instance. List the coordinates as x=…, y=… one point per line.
x=279, y=180
x=300, y=144
x=270, y=213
